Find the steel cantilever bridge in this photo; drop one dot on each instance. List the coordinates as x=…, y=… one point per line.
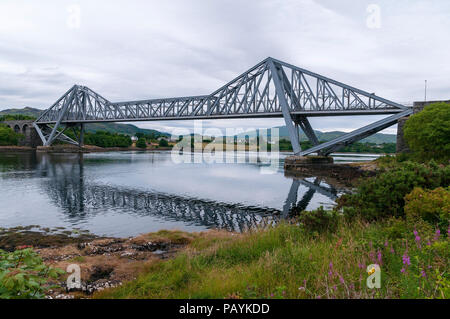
x=271, y=88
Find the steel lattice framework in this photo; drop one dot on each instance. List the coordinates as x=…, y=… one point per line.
x=271, y=88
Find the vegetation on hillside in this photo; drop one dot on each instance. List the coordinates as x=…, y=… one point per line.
x=16, y=117
x=106, y=139
x=358, y=147
x=141, y=143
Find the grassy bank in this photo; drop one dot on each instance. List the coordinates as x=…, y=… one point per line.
x=287, y=261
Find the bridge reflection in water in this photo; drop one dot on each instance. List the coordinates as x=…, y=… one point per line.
x=65, y=184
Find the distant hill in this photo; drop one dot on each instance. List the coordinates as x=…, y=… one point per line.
x=378, y=138
x=128, y=129
x=28, y=111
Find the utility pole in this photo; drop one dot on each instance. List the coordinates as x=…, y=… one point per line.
x=425, y=90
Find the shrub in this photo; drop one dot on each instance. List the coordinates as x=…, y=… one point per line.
x=432, y=206
x=141, y=143
x=8, y=136
x=163, y=142
x=107, y=139
x=24, y=275
x=428, y=132
x=319, y=220
x=384, y=194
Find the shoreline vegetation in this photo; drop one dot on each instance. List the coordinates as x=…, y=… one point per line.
x=398, y=219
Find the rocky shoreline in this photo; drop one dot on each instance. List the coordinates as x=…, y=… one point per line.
x=104, y=262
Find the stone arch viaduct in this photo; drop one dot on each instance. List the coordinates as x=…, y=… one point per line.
x=25, y=127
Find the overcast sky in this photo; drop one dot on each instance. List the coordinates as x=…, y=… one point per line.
x=130, y=50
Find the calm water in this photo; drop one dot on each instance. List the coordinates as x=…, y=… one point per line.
x=128, y=193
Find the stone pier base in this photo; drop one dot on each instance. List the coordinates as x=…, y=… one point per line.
x=63, y=148
x=292, y=162
x=323, y=166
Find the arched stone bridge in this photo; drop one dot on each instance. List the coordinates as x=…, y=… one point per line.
x=25, y=127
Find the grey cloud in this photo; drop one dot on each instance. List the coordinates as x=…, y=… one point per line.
x=128, y=50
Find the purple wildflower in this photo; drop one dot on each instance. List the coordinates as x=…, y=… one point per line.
x=406, y=260
x=403, y=270
x=386, y=243
x=341, y=280
x=437, y=234
x=423, y=273
x=379, y=257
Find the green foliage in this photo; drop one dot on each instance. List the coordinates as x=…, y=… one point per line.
x=24, y=275
x=428, y=133
x=16, y=117
x=8, y=136
x=163, y=142
x=106, y=139
x=319, y=220
x=385, y=148
x=285, y=145
x=141, y=143
x=432, y=206
x=383, y=195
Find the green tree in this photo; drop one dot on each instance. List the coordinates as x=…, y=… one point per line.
x=163, y=142
x=428, y=133
x=8, y=136
x=141, y=143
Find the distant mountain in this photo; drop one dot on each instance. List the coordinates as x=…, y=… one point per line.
x=378, y=138
x=128, y=129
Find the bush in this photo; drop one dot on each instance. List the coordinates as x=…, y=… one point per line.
x=428, y=133
x=24, y=275
x=384, y=195
x=141, y=143
x=319, y=220
x=163, y=143
x=106, y=139
x=433, y=206
x=8, y=136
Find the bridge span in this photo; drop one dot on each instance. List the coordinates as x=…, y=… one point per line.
x=271, y=88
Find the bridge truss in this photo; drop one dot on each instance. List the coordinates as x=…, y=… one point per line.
x=271, y=88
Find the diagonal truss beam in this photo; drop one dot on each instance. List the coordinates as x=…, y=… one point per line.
x=356, y=135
